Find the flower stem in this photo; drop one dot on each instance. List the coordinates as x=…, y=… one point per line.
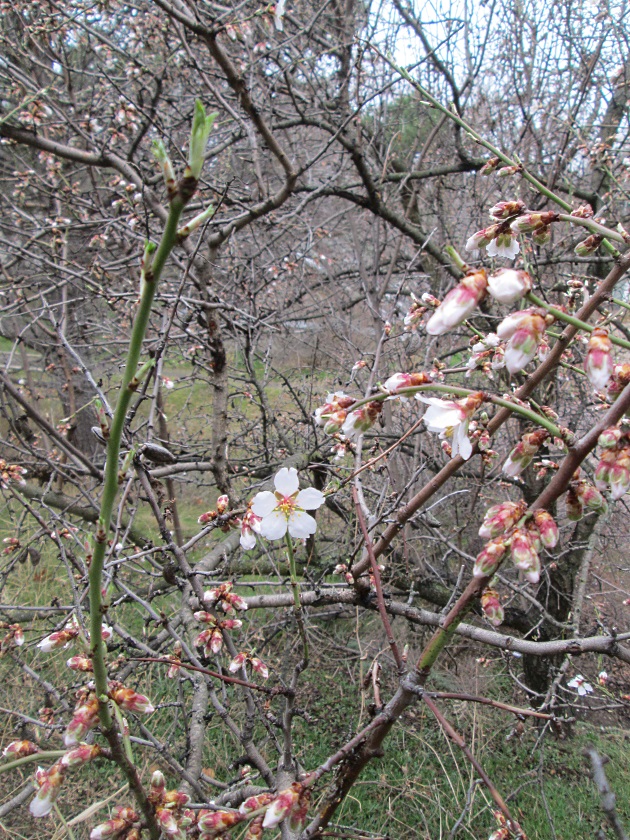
x=570, y=319
x=299, y=615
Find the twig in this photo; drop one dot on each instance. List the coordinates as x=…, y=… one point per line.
x=606, y=795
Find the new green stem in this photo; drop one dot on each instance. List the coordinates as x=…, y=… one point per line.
x=570, y=319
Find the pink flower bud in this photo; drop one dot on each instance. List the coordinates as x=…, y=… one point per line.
x=80, y=663
x=500, y=519
x=525, y=331
x=533, y=221
x=598, y=363
x=282, y=805
x=253, y=803
x=590, y=497
x=491, y=606
x=589, y=245
x=489, y=166
x=459, y=303
x=20, y=749
x=489, y=557
x=523, y=453
x=49, y=782
x=406, y=380
x=167, y=822
x=547, y=528
x=506, y=209
x=610, y=438
x=223, y=503
x=85, y=718
x=213, y=823
x=80, y=755
x=129, y=699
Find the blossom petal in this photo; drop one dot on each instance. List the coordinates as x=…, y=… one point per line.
x=264, y=503
x=274, y=526
x=248, y=540
x=310, y=499
x=286, y=481
x=301, y=525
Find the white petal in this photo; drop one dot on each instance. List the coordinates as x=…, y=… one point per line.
x=465, y=448
x=274, y=526
x=301, y=525
x=286, y=482
x=248, y=540
x=310, y=499
x=264, y=503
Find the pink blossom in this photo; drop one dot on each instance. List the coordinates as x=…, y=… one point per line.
x=580, y=685
x=450, y=419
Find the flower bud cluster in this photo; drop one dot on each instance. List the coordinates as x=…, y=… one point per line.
x=613, y=471
x=224, y=599
x=619, y=379
x=333, y=413
x=10, y=472
x=245, y=658
x=523, y=453
x=211, y=639
x=523, y=538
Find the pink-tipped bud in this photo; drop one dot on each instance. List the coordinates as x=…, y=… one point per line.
x=590, y=497
x=598, y=363
x=130, y=700
x=406, y=380
x=523, y=453
x=507, y=209
x=522, y=346
x=508, y=171
x=85, y=718
x=547, y=528
x=282, y=805
x=213, y=823
x=80, y=663
x=491, y=606
x=49, y=782
x=80, y=755
x=524, y=555
x=459, y=303
x=20, y=749
x=533, y=221
x=589, y=245
x=489, y=166
x=157, y=786
x=610, y=438
x=253, y=803
x=500, y=519
x=507, y=285
x=223, y=503
x=167, y=822
x=489, y=557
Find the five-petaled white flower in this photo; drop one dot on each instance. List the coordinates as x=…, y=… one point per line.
x=580, y=685
x=286, y=508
